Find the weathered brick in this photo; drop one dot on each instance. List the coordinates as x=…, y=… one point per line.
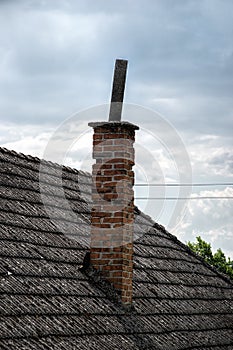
x=113, y=205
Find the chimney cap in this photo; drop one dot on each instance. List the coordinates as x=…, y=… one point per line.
x=113, y=124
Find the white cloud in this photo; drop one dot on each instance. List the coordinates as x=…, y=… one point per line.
x=28, y=139
x=210, y=218
x=212, y=156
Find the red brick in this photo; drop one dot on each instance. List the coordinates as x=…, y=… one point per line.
x=113, y=172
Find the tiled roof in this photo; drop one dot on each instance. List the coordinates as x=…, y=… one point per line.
x=46, y=302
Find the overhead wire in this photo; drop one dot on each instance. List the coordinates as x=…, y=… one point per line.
x=182, y=198
x=184, y=184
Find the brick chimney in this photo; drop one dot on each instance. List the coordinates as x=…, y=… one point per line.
x=112, y=217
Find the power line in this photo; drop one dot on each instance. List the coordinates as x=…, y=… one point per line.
x=181, y=198
x=186, y=184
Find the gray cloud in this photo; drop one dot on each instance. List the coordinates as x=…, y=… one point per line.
x=56, y=58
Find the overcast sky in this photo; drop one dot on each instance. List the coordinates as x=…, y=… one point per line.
x=57, y=59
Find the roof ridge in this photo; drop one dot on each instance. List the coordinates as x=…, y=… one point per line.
x=43, y=161
x=162, y=229
x=221, y=274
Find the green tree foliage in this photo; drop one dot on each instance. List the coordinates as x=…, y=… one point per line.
x=218, y=259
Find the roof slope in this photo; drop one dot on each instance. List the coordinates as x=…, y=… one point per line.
x=46, y=302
